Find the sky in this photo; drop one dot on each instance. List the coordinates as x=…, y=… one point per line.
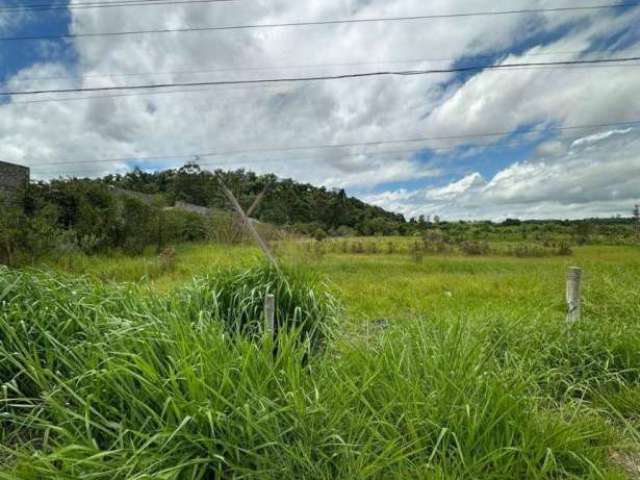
x=484, y=144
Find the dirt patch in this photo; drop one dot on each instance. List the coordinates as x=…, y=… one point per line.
x=629, y=462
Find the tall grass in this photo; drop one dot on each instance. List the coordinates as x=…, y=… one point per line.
x=106, y=383
x=235, y=298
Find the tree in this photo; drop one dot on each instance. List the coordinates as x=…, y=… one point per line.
x=636, y=218
x=319, y=235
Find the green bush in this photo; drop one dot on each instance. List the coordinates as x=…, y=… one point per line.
x=236, y=298
x=564, y=249
x=524, y=251
x=470, y=247
x=27, y=238
x=319, y=235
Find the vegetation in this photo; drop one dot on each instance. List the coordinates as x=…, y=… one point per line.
x=131, y=212
x=302, y=207
x=235, y=298
x=446, y=356
x=456, y=367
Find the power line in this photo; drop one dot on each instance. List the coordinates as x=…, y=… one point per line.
x=196, y=156
x=376, y=143
x=284, y=67
x=120, y=95
x=67, y=3
x=325, y=22
x=505, y=66
x=386, y=155
x=256, y=86
x=119, y=3
x=195, y=90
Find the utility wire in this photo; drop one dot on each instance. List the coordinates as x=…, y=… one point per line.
x=62, y=99
x=286, y=67
x=433, y=166
x=64, y=4
x=504, y=66
x=119, y=3
x=387, y=154
x=377, y=143
x=125, y=95
x=197, y=156
x=326, y=22
x=257, y=86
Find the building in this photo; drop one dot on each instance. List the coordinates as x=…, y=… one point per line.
x=14, y=180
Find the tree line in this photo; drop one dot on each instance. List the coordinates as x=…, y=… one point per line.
x=93, y=216
x=299, y=206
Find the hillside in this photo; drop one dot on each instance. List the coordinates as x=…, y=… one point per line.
x=301, y=206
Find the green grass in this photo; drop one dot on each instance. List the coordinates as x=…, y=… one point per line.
x=394, y=286
x=450, y=368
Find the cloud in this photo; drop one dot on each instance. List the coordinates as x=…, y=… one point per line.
x=208, y=120
x=577, y=184
x=470, y=183
x=595, y=138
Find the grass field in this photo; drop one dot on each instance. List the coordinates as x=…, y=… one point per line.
x=384, y=286
x=449, y=367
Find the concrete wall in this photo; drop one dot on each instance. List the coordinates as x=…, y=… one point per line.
x=13, y=180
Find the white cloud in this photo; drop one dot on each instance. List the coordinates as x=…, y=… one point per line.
x=594, y=183
x=471, y=183
x=321, y=113
x=597, y=137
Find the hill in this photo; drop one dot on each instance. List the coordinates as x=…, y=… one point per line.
x=301, y=206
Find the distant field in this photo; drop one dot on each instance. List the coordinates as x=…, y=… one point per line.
x=441, y=366
x=382, y=285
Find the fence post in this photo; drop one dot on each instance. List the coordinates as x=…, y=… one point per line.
x=574, y=279
x=270, y=315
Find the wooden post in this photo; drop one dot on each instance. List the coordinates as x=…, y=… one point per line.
x=270, y=315
x=574, y=278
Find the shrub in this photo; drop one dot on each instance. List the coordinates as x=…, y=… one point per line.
x=344, y=231
x=236, y=298
x=474, y=248
x=435, y=245
x=433, y=236
x=320, y=235
x=524, y=250
x=416, y=252
x=224, y=228
x=564, y=249
x=138, y=226
x=168, y=259
x=10, y=229
x=391, y=248
x=357, y=247
x=318, y=250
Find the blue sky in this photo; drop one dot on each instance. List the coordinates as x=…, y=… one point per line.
x=17, y=56
x=515, y=174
